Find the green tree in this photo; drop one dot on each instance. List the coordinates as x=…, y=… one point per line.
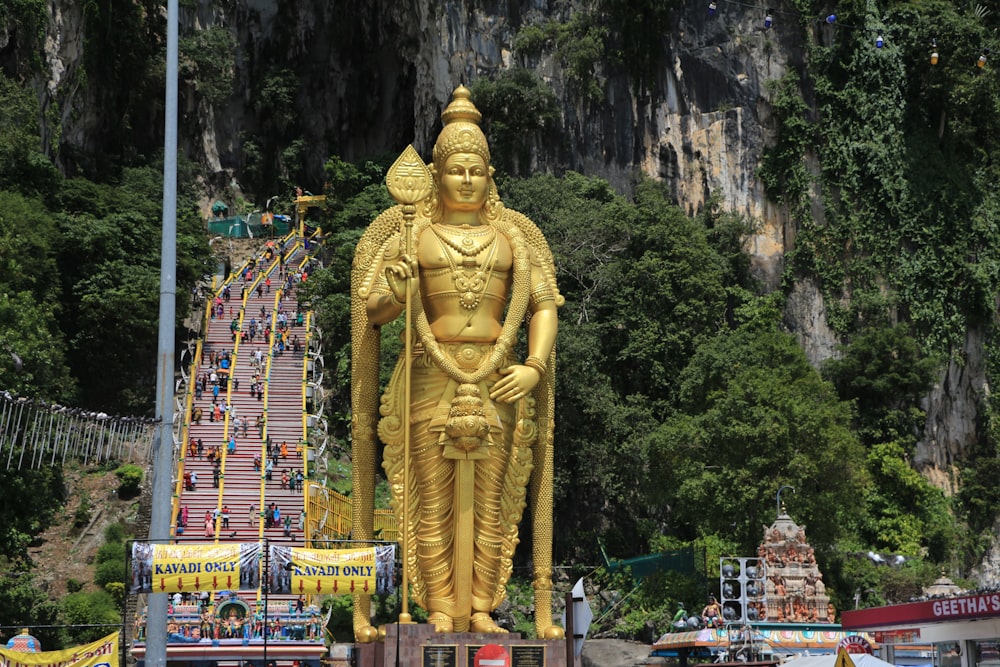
x=21, y=521
x=109, y=256
x=24, y=603
x=642, y=286
x=905, y=514
x=752, y=416
x=884, y=372
x=519, y=110
x=207, y=62
x=24, y=167
x=77, y=610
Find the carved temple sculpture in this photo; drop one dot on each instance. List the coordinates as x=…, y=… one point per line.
x=795, y=589
x=229, y=617
x=467, y=424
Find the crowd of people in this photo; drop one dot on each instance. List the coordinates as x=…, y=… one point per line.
x=214, y=394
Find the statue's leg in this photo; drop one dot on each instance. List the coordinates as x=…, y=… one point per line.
x=434, y=534
x=492, y=515
x=488, y=538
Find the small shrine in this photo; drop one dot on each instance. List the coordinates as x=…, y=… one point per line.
x=795, y=589
x=943, y=587
x=24, y=643
x=234, y=618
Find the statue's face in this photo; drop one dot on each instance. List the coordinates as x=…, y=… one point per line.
x=464, y=182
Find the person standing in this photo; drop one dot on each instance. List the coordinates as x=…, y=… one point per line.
x=209, y=525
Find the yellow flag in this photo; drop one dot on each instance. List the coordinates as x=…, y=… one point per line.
x=102, y=653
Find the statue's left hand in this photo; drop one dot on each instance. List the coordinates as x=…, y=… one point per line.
x=517, y=382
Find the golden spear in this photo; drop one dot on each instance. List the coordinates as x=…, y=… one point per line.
x=409, y=182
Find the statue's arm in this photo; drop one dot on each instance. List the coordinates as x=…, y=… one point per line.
x=387, y=297
x=543, y=324
x=542, y=330
x=519, y=379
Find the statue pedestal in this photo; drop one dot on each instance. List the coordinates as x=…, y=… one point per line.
x=418, y=645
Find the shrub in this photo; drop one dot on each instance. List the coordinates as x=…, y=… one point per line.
x=116, y=590
x=82, y=515
x=115, y=532
x=109, y=572
x=87, y=616
x=129, y=478
x=110, y=552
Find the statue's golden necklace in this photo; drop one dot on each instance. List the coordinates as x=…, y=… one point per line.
x=468, y=245
x=470, y=279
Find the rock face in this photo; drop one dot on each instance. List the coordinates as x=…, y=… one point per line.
x=376, y=77
x=953, y=413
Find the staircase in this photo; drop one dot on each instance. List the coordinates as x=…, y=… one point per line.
x=221, y=490
x=236, y=502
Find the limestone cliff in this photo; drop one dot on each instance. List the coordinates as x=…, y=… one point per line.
x=374, y=76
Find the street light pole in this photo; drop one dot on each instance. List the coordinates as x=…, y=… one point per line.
x=163, y=442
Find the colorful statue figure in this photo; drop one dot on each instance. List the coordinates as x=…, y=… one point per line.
x=312, y=630
x=480, y=420
x=258, y=622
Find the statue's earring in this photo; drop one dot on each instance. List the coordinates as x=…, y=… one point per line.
x=431, y=203
x=493, y=203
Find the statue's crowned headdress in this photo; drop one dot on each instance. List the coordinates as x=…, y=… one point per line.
x=461, y=133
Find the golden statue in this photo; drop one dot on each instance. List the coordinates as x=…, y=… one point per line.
x=467, y=427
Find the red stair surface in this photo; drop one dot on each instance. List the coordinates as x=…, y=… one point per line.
x=240, y=488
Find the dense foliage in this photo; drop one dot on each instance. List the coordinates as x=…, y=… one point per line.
x=79, y=272
x=897, y=227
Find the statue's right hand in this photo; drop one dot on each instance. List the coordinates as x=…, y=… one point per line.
x=396, y=275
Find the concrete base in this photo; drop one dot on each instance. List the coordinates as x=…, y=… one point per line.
x=418, y=645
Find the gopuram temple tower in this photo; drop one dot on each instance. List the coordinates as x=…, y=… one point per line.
x=795, y=589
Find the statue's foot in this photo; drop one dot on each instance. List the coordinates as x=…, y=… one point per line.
x=365, y=634
x=481, y=622
x=441, y=622
x=553, y=632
